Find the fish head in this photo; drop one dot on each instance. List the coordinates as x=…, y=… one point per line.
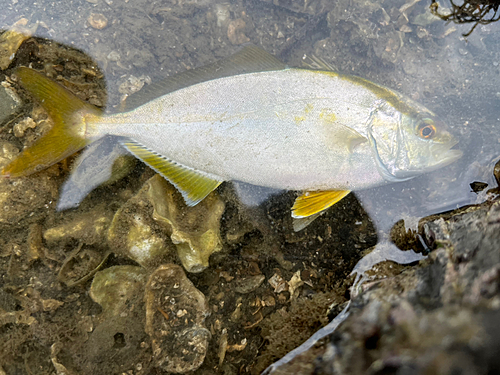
x=407, y=144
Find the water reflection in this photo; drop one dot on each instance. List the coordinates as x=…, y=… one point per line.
x=399, y=44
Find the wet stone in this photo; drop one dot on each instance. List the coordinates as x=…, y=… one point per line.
x=9, y=103
x=175, y=320
x=89, y=228
x=248, y=284
x=133, y=233
x=21, y=197
x=195, y=231
x=117, y=288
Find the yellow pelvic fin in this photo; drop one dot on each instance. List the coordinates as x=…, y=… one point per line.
x=193, y=185
x=313, y=202
x=69, y=114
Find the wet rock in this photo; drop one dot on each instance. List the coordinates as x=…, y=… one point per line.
x=89, y=228
x=195, y=231
x=22, y=197
x=236, y=32
x=118, y=343
x=248, y=284
x=440, y=317
x=118, y=289
x=11, y=40
x=97, y=21
x=223, y=14
x=7, y=152
x=134, y=234
x=116, y=346
x=23, y=125
x=368, y=27
x=9, y=102
x=175, y=320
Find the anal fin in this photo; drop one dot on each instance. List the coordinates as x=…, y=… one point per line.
x=193, y=185
x=314, y=202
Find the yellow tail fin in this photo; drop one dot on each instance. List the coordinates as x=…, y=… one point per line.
x=70, y=116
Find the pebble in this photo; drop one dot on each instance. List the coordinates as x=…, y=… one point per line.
x=97, y=21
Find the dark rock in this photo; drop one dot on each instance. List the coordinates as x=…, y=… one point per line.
x=438, y=318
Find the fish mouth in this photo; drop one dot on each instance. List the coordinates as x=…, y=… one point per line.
x=445, y=155
x=441, y=154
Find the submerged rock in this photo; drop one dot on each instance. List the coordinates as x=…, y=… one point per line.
x=117, y=289
x=140, y=229
x=195, y=231
x=175, y=320
x=133, y=233
x=118, y=342
x=89, y=227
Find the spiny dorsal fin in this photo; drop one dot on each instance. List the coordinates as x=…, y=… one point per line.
x=193, y=185
x=317, y=63
x=313, y=202
x=249, y=59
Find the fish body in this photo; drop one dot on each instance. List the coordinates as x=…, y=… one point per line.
x=292, y=129
x=316, y=131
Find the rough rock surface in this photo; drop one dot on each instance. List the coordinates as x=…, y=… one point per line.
x=440, y=317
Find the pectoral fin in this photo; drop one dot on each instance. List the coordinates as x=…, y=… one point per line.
x=192, y=184
x=313, y=202
x=337, y=134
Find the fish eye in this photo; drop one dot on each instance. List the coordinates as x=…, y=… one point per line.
x=426, y=129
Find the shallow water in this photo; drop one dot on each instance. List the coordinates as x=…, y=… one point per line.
x=394, y=43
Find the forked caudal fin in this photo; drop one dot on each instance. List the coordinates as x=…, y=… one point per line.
x=67, y=136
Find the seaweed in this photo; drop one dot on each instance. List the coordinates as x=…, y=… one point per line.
x=473, y=11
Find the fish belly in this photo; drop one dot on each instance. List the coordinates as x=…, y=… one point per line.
x=284, y=129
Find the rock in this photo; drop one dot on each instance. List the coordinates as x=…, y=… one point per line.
x=21, y=197
x=441, y=317
x=367, y=26
x=195, y=231
x=175, y=320
x=11, y=40
x=90, y=227
x=97, y=21
x=248, y=284
x=9, y=102
x=236, y=32
x=117, y=289
x=133, y=233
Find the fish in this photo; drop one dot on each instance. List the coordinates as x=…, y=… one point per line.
x=253, y=119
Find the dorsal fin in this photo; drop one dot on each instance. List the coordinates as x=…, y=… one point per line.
x=192, y=184
x=317, y=63
x=249, y=59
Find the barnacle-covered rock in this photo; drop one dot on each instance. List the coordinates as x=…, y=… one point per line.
x=89, y=228
x=175, y=320
x=21, y=197
x=134, y=234
x=118, y=289
x=194, y=230
x=115, y=344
